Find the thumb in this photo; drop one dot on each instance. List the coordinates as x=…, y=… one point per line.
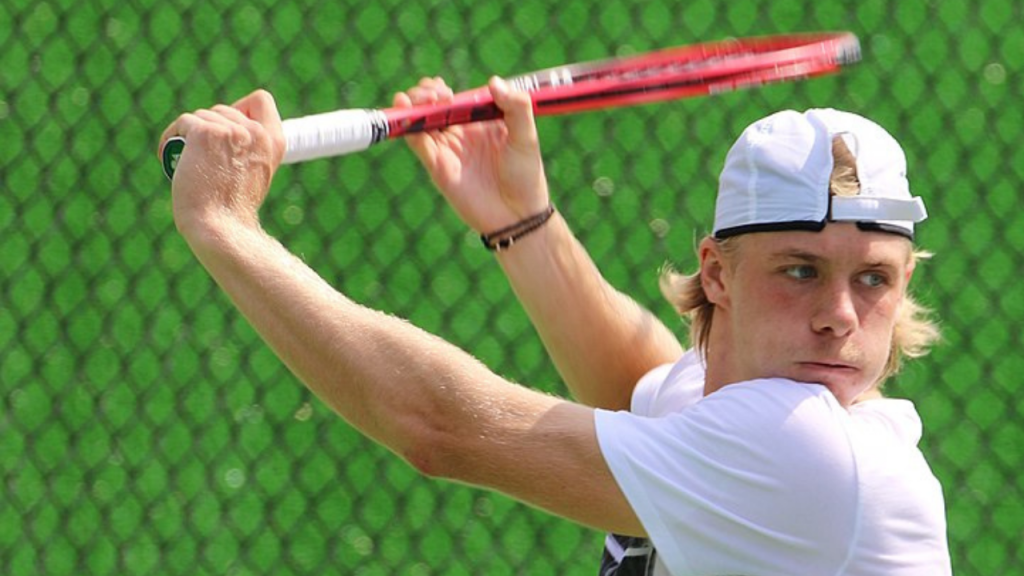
x=517, y=108
x=261, y=107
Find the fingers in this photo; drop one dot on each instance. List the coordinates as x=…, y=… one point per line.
x=250, y=117
x=401, y=100
x=181, y=126
x=200, y=126
x=260, y=106
x=428, y=91
x=518, y=110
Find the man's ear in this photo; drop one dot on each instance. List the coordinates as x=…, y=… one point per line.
x=713, y=272
x=910, y=271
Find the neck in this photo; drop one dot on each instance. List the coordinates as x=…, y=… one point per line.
x=717, y=360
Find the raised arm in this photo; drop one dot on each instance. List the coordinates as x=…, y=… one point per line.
x=600, y=339
x=427, y=401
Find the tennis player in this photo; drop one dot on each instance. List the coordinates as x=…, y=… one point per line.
x=765, y=450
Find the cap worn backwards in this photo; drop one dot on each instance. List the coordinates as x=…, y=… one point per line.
x=776, y=177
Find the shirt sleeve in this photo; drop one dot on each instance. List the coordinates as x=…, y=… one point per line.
x=757, y=478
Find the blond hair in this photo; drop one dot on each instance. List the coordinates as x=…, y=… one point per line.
x=915, y=330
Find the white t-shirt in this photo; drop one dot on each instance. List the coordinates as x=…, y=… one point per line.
x=774, y=478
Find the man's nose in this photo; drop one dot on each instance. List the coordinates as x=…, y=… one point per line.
x=836, y=311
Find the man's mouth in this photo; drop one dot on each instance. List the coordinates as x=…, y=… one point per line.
x=829, y=365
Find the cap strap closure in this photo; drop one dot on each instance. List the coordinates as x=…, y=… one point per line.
x=874, y=209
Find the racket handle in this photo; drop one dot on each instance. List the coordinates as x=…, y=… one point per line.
x=310, y=137
x=332, y=134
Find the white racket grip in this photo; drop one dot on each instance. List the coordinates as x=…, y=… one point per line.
x=332, y=134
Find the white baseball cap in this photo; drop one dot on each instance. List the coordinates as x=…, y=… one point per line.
x=776, y=177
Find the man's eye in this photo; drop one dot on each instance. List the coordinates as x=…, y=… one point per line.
x=874, y=279
x=801, y=272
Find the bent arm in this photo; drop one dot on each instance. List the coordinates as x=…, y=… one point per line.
x=424, y=399
x=601, y=340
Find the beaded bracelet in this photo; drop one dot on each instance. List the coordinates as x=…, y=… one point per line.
x=503, y=239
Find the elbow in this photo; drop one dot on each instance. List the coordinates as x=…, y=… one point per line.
x=425, y=459
x=465, y=456
x=444, y=440
x=435, y=453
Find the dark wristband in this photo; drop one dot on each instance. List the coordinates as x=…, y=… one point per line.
x=506, y=237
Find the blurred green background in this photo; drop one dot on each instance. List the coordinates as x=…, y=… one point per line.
x=144, y=428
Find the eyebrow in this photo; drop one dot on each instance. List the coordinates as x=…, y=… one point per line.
x=812, y=258
x=795, y=254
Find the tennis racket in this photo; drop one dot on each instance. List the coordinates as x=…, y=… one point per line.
x=682, y=72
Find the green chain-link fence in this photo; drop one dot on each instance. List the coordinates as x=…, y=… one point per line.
x=146, y=430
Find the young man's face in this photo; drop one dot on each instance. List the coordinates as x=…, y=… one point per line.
x=810, y=306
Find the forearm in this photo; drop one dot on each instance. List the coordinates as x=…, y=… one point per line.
x=366, y=365
x=600, y=339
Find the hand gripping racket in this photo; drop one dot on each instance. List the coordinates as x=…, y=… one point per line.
x=682, y=72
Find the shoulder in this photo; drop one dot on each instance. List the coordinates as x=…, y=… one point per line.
x=670, y=387
x=894, y=417
x=751, y=414
x=902, y=507
x=784, y=425
x=769, y=427
x=773, y=402
x=766, y=462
